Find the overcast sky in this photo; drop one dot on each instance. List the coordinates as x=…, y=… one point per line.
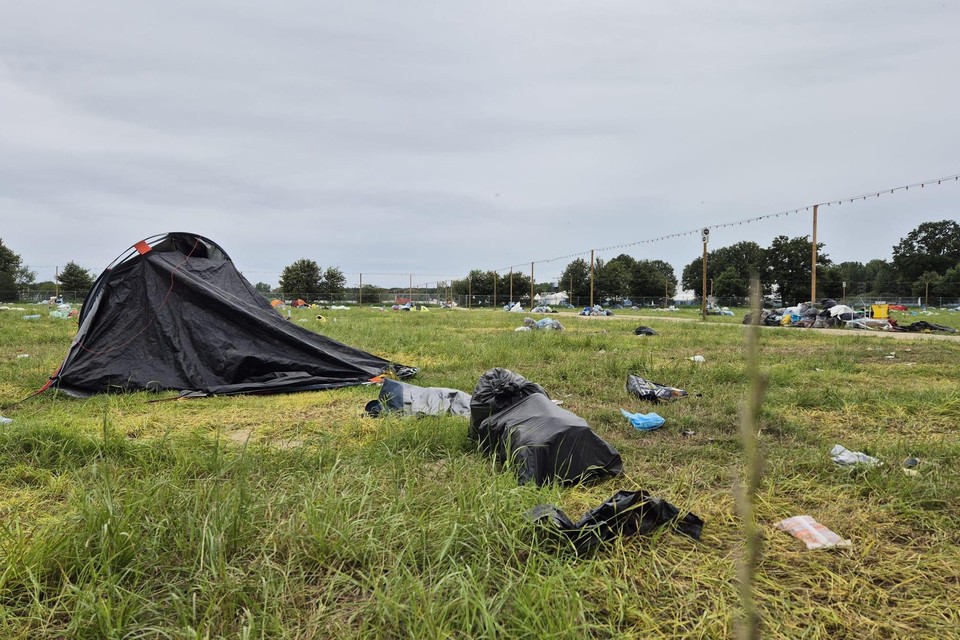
x=435, y=137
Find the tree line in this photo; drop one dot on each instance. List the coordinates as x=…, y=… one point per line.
x=925, y=262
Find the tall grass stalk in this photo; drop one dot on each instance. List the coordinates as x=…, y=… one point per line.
x=749, y=628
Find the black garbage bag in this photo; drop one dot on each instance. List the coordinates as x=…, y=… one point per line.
x=546, y=443
x=496, y=390
x=626, y=513
x=923, y=325
x=412, y=400
x=652, y=391
x=644, y=331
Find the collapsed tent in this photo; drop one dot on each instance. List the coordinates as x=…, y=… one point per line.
x=515, y=419
x=173, y=313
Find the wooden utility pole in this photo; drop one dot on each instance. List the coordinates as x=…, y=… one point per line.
x=511, y=286
x=410, y=290
x=531, y=285
x=703, y=297
x=494, y=289
x=469, y=292
x=591, y=278
x=360, y=291
x=813, y=258
x=571, y=289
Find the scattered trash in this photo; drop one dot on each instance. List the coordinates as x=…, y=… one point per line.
x=339, y=307
x=910, y=465
x=515, y=420
x=689, y=432
x=818, y=369
x=811, y=532
x=32, y=316
x=626, y=513
x=843, y=456
x=5, y=420
x=697, y=358
x=644, y=331
x=543, y=323
x=23, y=355
x=411, y=400
x=321, y=318
x=643, y=421
x=524, y=328
x=652, y=391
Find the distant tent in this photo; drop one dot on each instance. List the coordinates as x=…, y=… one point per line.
x=174, y=313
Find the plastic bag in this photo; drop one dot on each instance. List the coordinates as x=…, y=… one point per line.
x=643, y=421
x=496, y=390
x=811, y=532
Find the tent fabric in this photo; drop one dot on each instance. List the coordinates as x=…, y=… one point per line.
x=411, y=400
x=179, y=316
x=542, y=441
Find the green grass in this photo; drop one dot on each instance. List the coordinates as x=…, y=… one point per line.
x=297, y=517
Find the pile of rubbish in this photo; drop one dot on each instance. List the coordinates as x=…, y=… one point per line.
x=829, y=314
x=548, y=324
x=595, y=310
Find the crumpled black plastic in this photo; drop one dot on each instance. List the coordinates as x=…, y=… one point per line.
x=923, y=325
x=626, y=513
x=644, y=331
x=496, y=390
x=652, y=391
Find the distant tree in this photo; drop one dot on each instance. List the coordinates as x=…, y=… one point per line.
x=745, y=258
x=611, y=279
x=949, y=285
x=333, y=282
x=301, y=280
x=885, y=279
x=927, y=283
x=75, y=278
x=262, y=287
x=730, y=288
x=10, y=266
x=521, y=286
x=788, y=267
x=830, y=281
x=653, y=279
x=25, y=277
x=576, y=279
x=932, y=246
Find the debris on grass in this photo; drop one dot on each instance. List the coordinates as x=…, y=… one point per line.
x=811, y=532
x=643, y=421
x=626, y=513
x=843, y=456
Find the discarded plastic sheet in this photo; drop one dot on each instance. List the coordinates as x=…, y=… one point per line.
x=543, y=323
x=843, y=456
x=643, y=421
x=626, y=513
x=811, y=532
x=21, y=356
x=515, y=420
x=652, y=391
x=697, y=358
x=5, y=420
x=411, y=400
x=644, y=331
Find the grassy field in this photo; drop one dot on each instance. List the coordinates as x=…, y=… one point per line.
x=297, y=517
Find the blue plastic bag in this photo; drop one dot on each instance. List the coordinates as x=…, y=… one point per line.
x=643, y=421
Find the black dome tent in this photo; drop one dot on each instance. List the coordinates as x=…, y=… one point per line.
x=173, y=313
